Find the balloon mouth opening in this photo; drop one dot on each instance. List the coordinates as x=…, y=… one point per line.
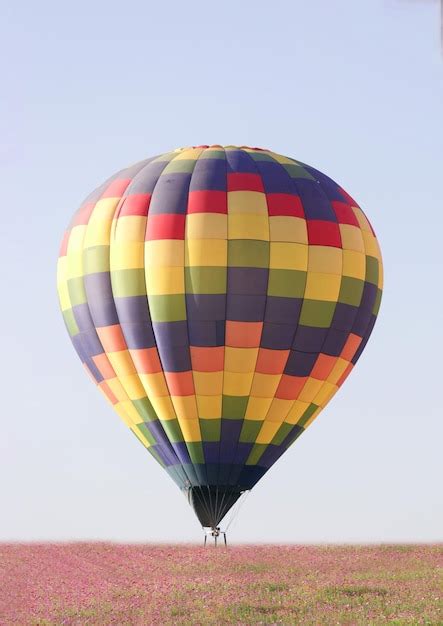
x=211, y=503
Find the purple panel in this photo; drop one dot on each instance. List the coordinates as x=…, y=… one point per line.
x=248, y=280
x=242, y=452
x=316, y=204
x=335, y=342
x=100, y=299
x=94, y=370
x=133, y=170
x=300, y=363
x=330, y=187
x=275, y=178
x=171, y=333
x=309, y=339
x=83, y=317
x=165, y=456
x=295, y=432
x=181, y=451
x=138, y=336
x=369, y=296
x=361, y=322
x=175, y=358
x=367, y=334
x=240, y=161
x=203, y=333
x=87, y=343
x=147, y=178
x=271, y=455
x=283, y=310
x=133, y=309
x=277, y=336
x=230, y=431
x=205, y=306
x=210, y=451
x=170, y=194
x=344, y=316
x=245, y=308
x=209, y=174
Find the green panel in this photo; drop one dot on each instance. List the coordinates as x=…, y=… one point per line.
x=256, y=453
x=234, y=407
x=262, y=156
x=297, y=171
x=170, y=308
x=377, y=302
x=282, y=433
x=248, y=253
x=250, y=430
x=179, y=165
x=317, y=313
x=96, y=259
x=126, y=283
x=371, y=270
x=145, y=431
x=195, y=450
x=70, y=322
x=351, y=290
x=172, y=430
x=210, y=429
x=286, y=283
x=212, y=154
x=76, y=289
x=156, y=456
x=145, y=409
x=307, y=414
x=205, y=279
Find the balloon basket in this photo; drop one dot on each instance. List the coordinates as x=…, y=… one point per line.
x=215, y=533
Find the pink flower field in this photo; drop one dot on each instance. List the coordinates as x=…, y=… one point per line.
x=100, y=583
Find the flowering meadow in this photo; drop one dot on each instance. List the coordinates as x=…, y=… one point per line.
x=102, y=583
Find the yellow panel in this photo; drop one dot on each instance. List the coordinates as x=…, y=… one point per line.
x=133, y=387
x=129, y=228
x=131, y=411
x=62, y=285
x=325, y=260
x=253, y=202
x=191, y=430
x=120, y=410
x=362, y=219
x=337, y=371
x=312, y=418
x=322, y=287
x=248, y=227
x=141, y=437
x=121, y=362
x=371, y=245
x=257, y=408
x=190, y=154
x=297, y=411
x=163, y=407
x=117, y=389
x=99, y=226
x=164, y=253
x=155, y=384
x=279, y=410
x=288, y=256
x=76, y=238
x=351, y=238
x=127, y=255
x=286, y=228
x=75, y=264
x=185, y=408
x=206, y=226
x=310, y=389
x=166, y=280
x=209, y=407
x=282, y=159
x=208, y=383
x=265, y=385
x=237, y=384
x=354, y=264
x=206, y=252
x=240, y=359
x=267, y=432
x=325, y=394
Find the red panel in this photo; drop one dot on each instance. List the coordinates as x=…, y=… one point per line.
x=349, y=198
x=323, y=233
x=64, y=245
x=137, y=204
x=345, y=374
x=344, y=213
x=207, y=201
x=243, y=334
x=290, y=387
x=180, y=383
x=323, y=366
x=146, y=360
x=351, y=347
x=271, y=361
x=165, y=226
x=117, y=188
x=284, y=204
x=209, y=359
x=243, y=181
x=83, y=214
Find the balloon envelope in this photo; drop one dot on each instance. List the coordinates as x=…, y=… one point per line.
x=219, y=297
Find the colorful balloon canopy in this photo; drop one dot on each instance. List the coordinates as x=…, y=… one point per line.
x=219, y=297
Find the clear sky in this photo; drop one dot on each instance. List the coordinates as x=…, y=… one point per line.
x=352, y=88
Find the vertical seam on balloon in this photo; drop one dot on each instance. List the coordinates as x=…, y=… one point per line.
x=166, y=443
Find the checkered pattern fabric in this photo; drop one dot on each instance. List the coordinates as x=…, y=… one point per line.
x=219, y=297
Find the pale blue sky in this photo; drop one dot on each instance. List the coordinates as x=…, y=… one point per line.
x=352, y=88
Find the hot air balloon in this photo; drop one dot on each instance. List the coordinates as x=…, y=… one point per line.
x=219, y=297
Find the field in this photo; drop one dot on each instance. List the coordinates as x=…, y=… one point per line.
x=99, y=583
